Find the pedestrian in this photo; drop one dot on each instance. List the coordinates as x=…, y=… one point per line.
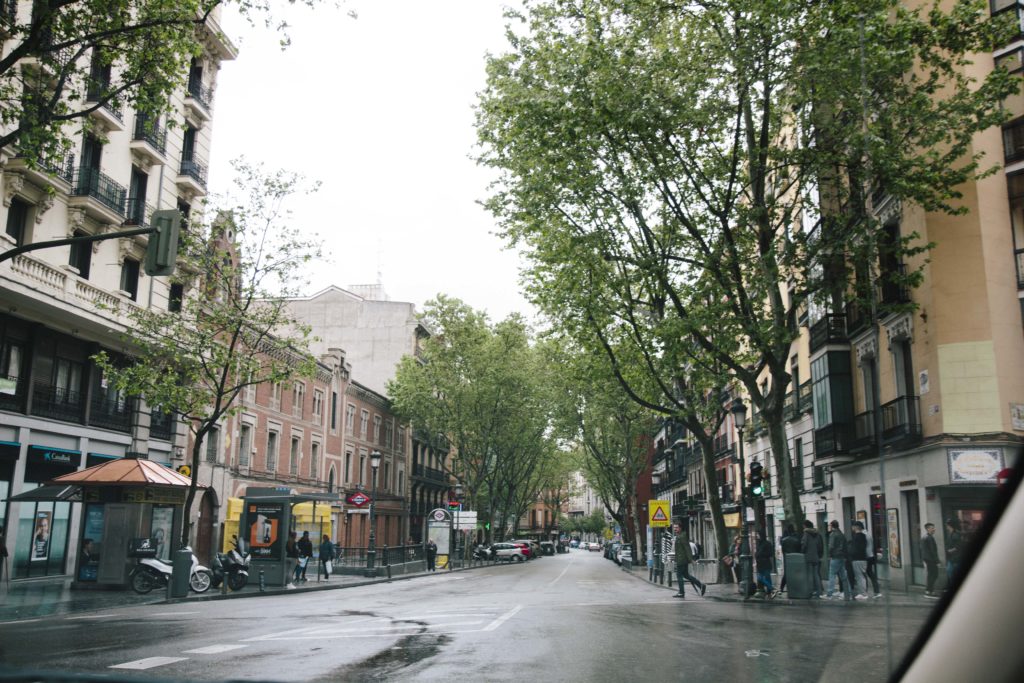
x=305, y=553
x=859, y=557
x=930, y=557
x=837, y=556
x=735, y=551
x=326, y=557
x=684, y=556
x=291, y=554
x=813, y=548
x=790, y=546
x=954, y=550
x=3, y=557
x=871, y=570
x=763, y=552
x=431, y=555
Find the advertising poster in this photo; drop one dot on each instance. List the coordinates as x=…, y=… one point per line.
x=161, y=529
x=264, y=521
x=92, y=542
x=893, y=520
x=41, y=536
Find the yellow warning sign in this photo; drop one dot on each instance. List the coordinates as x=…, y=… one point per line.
x=659, y=512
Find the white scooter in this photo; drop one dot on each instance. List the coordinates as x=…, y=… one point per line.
x=152, y=573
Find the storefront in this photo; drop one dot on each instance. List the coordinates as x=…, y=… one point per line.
x=43, y=525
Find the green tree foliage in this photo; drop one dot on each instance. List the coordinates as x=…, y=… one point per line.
x=233, y=329
x=480, y=386
x=693, y=173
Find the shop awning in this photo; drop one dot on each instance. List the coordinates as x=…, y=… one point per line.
x=71, y=492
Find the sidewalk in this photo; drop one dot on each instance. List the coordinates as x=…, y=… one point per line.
x=33, y=598
x=728, y=592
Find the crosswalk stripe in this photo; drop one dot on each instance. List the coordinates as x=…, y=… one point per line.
x=148, y=663
x=213, y=649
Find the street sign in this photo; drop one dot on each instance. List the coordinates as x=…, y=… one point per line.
x=659, y=513
x=358, y=499
x=466, y=521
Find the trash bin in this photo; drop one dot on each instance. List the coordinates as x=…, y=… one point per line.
x=181, y=573
x=798, y=581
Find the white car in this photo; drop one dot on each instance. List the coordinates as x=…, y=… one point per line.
x=507, y=552
x=594, y=547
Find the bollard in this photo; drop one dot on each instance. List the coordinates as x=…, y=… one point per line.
x=263, y=582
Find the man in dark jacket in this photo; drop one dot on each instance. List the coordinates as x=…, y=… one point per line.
x=305, y=547
x=790, y=544
x=859, y=558
x=763, y=559
x=683, y=557
x=813, y=548
x=837, y=562
x=954, y=548
x=930, y=557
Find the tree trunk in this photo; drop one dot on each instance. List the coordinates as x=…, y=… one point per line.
x=783, y=466
x=715, y=503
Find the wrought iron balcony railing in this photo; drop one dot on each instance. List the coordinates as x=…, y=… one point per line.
x=161, y=425
x=151, y=133
x=200, y=93
x=89, y=182
x=901, y=420
x=137, y=212
x=95, y=93
x=56, y=402
x=111, y=413
x=830, y=329
x=195, y=170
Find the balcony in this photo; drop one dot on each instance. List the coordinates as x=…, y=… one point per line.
x=149, y=142
x=804, y=399
x=98, y=194
x=43, y=172
x=108, y=115
x=199, y=101
x=48, y=63
x=901, y=422
x=831, y=329
x=894, y=292
x=161, y=425
x=138, y=212
x=58, y=403
x=8, y=17
x=858, y=317
x=12, y=393
x=863, y=432
x=113, y=413
x=192, y=178
x=832, y=444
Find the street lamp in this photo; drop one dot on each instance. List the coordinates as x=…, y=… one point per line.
x=371, y=550
x=458, y=529
x=739, y=416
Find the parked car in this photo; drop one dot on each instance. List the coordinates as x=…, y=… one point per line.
x=625, y=552
x=574, y=543
x=535, y=550
x=594, y=547
x=508, y=552
x=525, y=548
x=547, y=547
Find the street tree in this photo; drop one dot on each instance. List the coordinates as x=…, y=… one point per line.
x=233, y=329
x=63, y=60
x=721, y=158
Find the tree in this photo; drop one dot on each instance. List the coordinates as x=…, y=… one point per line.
x=233, y=329
x=720, y=159
x=80, y=56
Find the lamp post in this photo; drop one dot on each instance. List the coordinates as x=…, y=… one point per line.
x=371, y=549
x=458, y=529
x=739, y=415
x=656, y=534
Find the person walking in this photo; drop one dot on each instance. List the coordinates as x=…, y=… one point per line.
x=930, y=557
x=684, y=556
x=790, y=546
x=872, y=572
x=431, y=555
x=305, y=553
x=954, y=550
x=291, y=554
x=813, y=548
x=837, y=562
x=326, y=557
x=763, y=555
x=859, y=558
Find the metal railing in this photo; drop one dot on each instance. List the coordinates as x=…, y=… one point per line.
x=95, y=93
x=90, y=182
x=805, y=398
x=1019, y=254
x=115, y=415
x=200, y=93
x=57, y=402
x=895, y=292
x=195, y=170
x=830, y=329
x=138, y=212
x=161, y=425
x=901, y=419
x=863, y=430
x=150, y=133
x=9, y=12
x=12, y=393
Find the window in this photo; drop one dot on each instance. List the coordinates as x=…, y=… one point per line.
x=11, y=355
x=389, y=434
x=385, y=482
x=364, y=421
x=244, y=444
x=211, y=444
x=350, y=418
x=334, y=411
x=401, y=441
x=130, y=278
x=314, y=461
x=272, y=452
x=318, y=406
x=17, y=221
x=188, y=147
x=275, y=396
x=298, y=399
x=1016, y=192
x=67, y=382
x=348, y=467
x=293, y=463
x=136, y=209
x=175, y=296
x=401, y=482
x=376, y=428
x=362, y=467
x=81, y=255
x=798, y=451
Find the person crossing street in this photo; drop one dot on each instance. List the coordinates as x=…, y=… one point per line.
x=684, y=556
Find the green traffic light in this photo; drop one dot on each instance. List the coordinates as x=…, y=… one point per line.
x=758, y=490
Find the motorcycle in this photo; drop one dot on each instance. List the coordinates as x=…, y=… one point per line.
x=232, y=566
x=483, y=553
x=152, y=572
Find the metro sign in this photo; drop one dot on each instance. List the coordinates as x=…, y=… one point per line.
x=359, y=499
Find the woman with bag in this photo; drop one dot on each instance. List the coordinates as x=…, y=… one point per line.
x=291, y=554
x=326, y=557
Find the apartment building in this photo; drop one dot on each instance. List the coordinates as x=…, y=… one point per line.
x=60, y=306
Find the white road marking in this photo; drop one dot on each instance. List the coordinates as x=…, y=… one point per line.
x=503, y=618
x=92, y=616
x=213, y=649
x=148, y=663
x=170, y=614
x=561, y=575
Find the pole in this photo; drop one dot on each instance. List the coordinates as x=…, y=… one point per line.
x=371, y=550
x=745, y=558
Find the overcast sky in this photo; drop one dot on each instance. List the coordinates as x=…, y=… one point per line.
x=379, y=109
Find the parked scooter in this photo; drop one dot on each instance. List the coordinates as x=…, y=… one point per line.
x=483, y=553
x=152, y=572
x=232, y=566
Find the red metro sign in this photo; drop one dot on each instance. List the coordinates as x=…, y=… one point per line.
x=359, y=499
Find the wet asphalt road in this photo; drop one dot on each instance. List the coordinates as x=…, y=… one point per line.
x=574, y=617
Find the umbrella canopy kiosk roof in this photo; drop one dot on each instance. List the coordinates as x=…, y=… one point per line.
x=126, y=472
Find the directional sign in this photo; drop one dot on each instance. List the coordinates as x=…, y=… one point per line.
x=659, y=513
x=359, y=499
x=466, y=521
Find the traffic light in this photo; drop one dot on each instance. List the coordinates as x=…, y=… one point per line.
x=162, y=249
x=756, y=479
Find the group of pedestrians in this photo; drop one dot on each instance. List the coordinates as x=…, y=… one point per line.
x=299, y=553
x=930, y=555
